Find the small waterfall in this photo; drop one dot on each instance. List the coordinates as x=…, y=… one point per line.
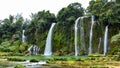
x=48, y=46
x=81, y=34
x=76, y=28
x=23, y=36
x=99, y=45
x=91, y=32
x=105, y=39
x=82, y=40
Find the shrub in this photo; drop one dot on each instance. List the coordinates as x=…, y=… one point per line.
x=33, y=60
x=95, y=55
x=4, y=46
x=5, y=43
x=81, y=52
x=15, y=59
x=71, y=59
x=13, y=48
x=23, y=47
x=19, y=66
x=50, y=60
x=8, y=47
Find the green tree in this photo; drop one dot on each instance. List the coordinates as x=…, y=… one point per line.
x=95, y=7
x=10, y=26
x=37, y=29
x=64, y=30
x=110, y=13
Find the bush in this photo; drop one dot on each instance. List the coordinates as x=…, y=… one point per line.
x=33, y=60
x=6, y=43
x=15, y=59
x=19, y=66
x=114, y=51
x=23, y=47
x=71, y=59
x=8, y=47
x=115, y=45
x=95, y=55
x=13, y=48
x=50, y=60
x=81, y=52
x=4, y=46
x=16, y=43
x=15, y=54
x=4, y=53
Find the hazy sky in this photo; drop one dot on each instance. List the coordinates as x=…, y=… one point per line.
x=26, y=7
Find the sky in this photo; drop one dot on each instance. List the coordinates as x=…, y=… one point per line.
x=26, y=7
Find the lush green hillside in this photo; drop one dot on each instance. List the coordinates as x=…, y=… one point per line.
x=36, y=29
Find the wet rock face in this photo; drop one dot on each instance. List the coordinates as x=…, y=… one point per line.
x=34, y=49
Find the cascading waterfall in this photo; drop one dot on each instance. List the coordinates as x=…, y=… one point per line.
x=81, y=35
x=76, y=28
x=105, y=39
x=91, y=32
x=82, y=40
x=99, y=45
x=48, y=46
x=23, y=36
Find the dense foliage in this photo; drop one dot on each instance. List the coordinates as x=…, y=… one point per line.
x=64, y=31
x=36, y=29
x=10, y=27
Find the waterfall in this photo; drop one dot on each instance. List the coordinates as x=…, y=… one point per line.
x=76, y=28
x=81, y=34
x=99, y=45
x=105, y=39
x=23, y=36
x=48, y=46
x=82, y=40
x=91, y=32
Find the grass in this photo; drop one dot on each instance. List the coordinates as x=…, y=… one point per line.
x=4, y=53
x=38, y=57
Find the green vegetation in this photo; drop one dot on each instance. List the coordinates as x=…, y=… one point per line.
x=78, y=61
x=37, y=58
x=63, y=37
x=19, y=66
x=36, y=30
x=106, y=13
x=95, y=55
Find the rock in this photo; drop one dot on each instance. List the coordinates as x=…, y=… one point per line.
x=34, y=49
